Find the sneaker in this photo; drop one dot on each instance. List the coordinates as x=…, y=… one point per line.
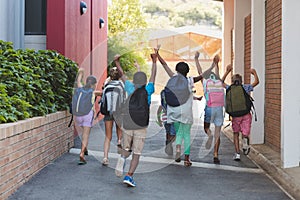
x=129, y=181
x=237, y=157
x=105, y=162
x=216, y=160
x=120, y=167
x=209, y=141
x=246, y=147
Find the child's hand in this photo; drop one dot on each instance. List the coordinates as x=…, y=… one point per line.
x=153, y=57
x=81, y=70
x=197, y=54
x=216, y=59
x=157, y=48
x=137, y=66
x=117, y=57
x=229, y=68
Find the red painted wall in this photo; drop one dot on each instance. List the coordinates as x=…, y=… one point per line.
x=79, y=37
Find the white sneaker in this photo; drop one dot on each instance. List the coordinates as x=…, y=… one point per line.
x=120, y=167
x=237, y=157
x=246, y=147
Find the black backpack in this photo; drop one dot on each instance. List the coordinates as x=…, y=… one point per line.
x=136, y=110
x=113, y=98
x=177, y=90
x=238, y=101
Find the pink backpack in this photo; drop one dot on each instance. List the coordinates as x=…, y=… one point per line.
x=214, y=92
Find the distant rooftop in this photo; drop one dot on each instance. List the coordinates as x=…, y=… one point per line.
x=201, y=30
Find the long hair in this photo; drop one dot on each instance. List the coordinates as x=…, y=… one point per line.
x=90, y=81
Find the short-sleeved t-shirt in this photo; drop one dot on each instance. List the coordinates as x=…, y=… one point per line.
x=129, y=88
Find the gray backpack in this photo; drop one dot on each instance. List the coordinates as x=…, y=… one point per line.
x=177, y=90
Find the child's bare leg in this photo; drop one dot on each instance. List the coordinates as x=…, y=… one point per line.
x=236, y=142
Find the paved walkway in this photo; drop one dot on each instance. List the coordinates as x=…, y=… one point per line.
x=157, y=176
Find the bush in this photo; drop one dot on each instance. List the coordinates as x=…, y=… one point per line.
x=33, y=83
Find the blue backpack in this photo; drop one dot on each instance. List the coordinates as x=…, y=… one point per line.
x=82, y=102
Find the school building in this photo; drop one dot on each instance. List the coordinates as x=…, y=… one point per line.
x=264, y=34
x=260, y=34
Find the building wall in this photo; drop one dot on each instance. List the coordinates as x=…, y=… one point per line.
x=79, y=37
x=12, y=22
x=247, y=55
x=290, y=103
x=273, y=74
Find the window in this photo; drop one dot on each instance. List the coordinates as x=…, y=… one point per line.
x=35, y=17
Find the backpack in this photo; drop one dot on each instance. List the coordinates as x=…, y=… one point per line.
x=214, y=92
x=112, y=98
x=82, y=101
x=177, y=90
x=136, y=110
x=238, y=101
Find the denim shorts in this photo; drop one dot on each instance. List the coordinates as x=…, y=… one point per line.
x=169, y=127
x=214, y=115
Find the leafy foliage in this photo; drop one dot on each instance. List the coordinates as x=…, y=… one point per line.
x=33, y=83
x=177, y=13
x=125, y=29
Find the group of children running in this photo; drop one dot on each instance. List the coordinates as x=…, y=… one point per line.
x=132, y=119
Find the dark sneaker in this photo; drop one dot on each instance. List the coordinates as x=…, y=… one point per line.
x=129, y=181
x=216, y=160
x=178, y=157
x=237, y=157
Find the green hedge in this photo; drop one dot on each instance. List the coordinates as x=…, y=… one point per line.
x=33, y=83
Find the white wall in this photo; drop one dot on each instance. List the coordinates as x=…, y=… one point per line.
x=228, y=13
x=258, y=63
x=12, y=14
x=290, y=108
x=37, y=42
x=242, y=9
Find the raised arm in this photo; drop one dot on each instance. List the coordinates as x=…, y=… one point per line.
x=256, y=79
x=136, y=64
x=79, y=77
x=163, y=62
x=154, y=68
x=199, y=68
x=118, y=65
x=216, y=61
x=228, y=70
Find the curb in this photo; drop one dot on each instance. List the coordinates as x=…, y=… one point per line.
x=277, y=174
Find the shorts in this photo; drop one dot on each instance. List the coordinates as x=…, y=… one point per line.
x=134, y=140
x=214, y=115
x=242, y=124
x=170, y=129
x=108, y=118
x=85, y=120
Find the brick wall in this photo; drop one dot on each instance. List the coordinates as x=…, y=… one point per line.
x=247, y=50
x=273, y=74
x=29, y=145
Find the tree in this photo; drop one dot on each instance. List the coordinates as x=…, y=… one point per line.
x=124, y=16
x=126, y=23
